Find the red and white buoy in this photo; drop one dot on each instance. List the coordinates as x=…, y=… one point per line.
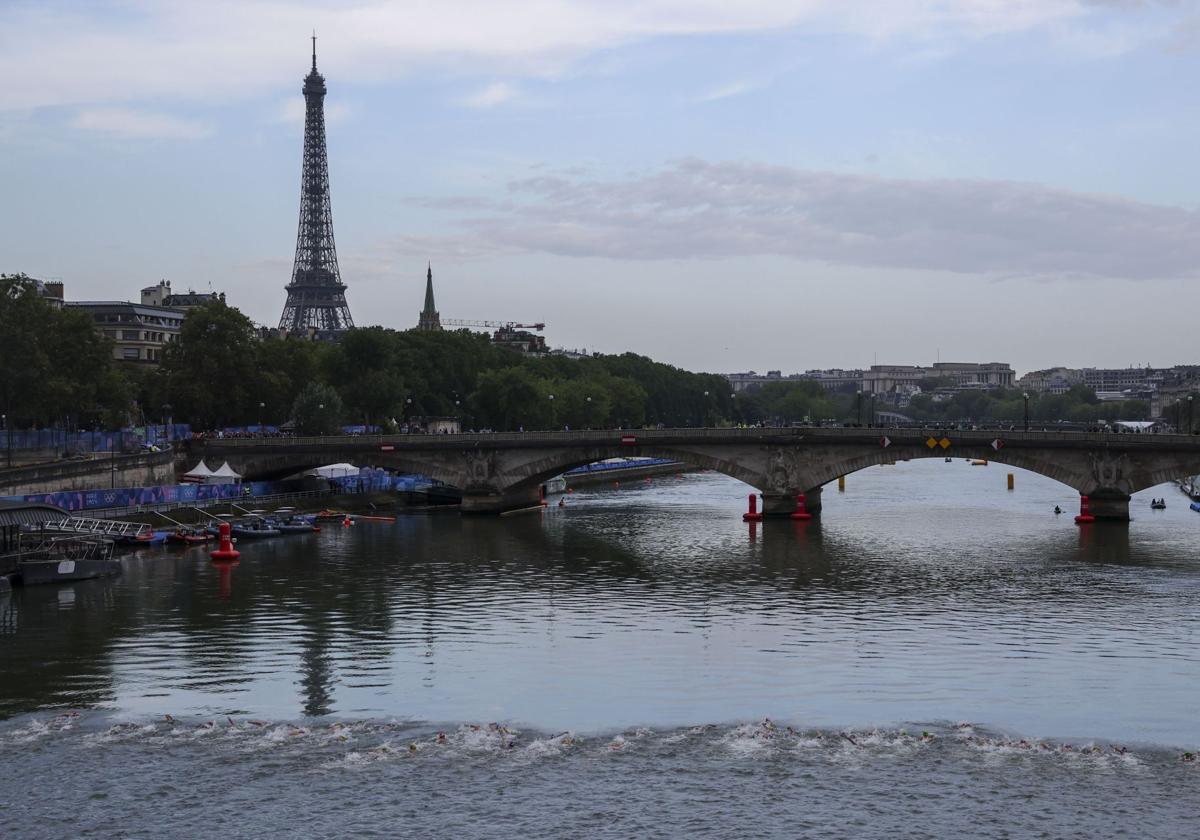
x=752, y=515
x=225, y=551
x=801, y=513
x=1085, y=512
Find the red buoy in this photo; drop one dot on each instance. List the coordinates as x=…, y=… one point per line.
x=801, y=513
x=225, y=551
x=752, y=515
x=1085, y=512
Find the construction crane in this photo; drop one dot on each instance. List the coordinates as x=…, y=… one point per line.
x=493, y=325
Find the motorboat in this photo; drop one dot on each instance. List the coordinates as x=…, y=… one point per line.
x=1158, y=504
x=60, y=559
x=256, y=529
x=189, y=536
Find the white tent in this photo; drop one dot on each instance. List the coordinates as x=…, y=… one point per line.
x=335, y=471
x=198, y=474
x=224, y=474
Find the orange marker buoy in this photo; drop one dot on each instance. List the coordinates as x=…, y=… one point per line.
x=752, y=515
x=1085, y=512
x=225, y=551
x=801, y=513
x=346, y=521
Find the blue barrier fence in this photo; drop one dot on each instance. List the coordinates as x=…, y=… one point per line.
x=122, y=441
x=370, y=481
x=605, y=466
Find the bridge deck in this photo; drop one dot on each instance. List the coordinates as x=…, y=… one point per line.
x=662, y=437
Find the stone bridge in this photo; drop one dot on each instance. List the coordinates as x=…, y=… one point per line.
x=498, y=472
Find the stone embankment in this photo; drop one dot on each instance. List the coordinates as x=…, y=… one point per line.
x=141, y=470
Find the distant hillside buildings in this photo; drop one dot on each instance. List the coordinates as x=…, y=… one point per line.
x=897, y=384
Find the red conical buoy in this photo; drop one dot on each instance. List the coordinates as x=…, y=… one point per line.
x=801, y=513
x=752, y=515
x=1085, y=512
x=225, y=551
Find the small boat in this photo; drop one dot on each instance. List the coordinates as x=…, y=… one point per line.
x=1158, y=505
x=188, y=536
x=293, y=525
x=976, y=462
x=62, y=559
x=948, y=460
x=153, y=538
x=1195, y=506
x=254, y=530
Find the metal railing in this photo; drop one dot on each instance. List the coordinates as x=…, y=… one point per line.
x=206, y=504
x=101, y=527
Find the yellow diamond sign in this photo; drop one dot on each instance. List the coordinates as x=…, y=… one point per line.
x=931, y=443
x=944, y=443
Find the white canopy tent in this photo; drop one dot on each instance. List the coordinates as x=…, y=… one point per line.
x=224, y=474
x=198, y=474
x=335, y=471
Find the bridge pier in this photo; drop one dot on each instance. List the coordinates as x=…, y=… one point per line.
x=784, y=504
x=495, y=502
x=1112, y=505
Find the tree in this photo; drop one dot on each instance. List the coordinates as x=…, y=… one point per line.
x=54, y=366
x=211, y=371
x=317, y=410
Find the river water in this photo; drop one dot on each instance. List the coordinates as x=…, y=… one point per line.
x=936, y=657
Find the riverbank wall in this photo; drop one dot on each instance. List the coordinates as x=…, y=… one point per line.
x=140, y=470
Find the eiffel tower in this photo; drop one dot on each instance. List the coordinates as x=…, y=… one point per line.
x=316, y=296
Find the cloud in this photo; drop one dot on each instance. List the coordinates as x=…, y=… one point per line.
x=497, y=93
x=130, y=124
x=699, y=209
x=115, y=51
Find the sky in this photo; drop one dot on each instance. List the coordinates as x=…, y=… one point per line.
x=723, y=186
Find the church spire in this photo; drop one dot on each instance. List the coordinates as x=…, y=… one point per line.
x=428, y=320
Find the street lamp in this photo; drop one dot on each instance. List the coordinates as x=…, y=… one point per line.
x=1189, y=413
x=1025, y=396
x=7, y=437
x=261, y=406
x=858, y=406
x=553, y=422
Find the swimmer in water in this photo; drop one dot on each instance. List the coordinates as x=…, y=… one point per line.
x=1057, y=509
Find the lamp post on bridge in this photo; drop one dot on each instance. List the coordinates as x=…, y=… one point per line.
x=1189, y=399
x=7, y=438
x=858, y=406
x=553, y=421
x=1025, y=397
x=261, y=406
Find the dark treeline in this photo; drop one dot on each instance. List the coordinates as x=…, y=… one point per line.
x=56, y=370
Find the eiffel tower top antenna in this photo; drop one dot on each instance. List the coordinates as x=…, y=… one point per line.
x=314, y=37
